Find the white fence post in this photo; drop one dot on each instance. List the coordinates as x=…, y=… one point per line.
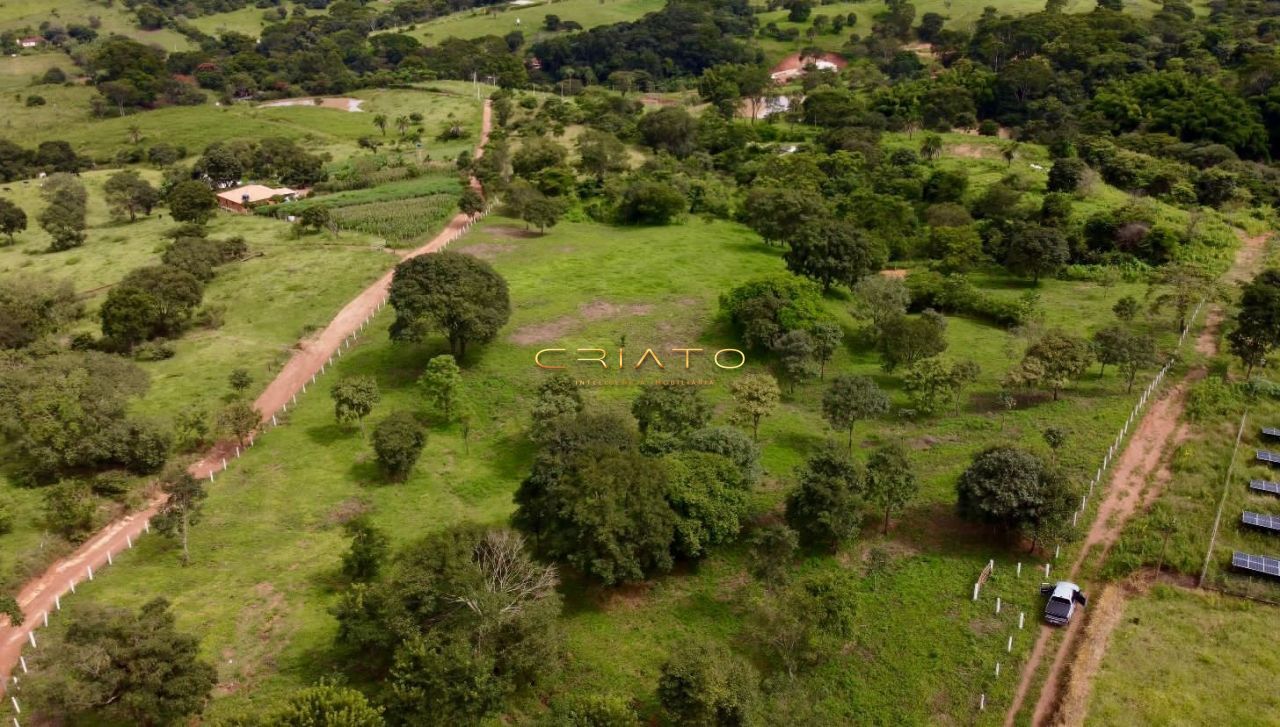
x=1021, y=615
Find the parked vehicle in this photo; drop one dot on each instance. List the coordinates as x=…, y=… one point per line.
x=1063, y=597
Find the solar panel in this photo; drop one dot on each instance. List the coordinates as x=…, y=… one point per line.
x=1258, y=520
x=1272, y=432
x=1264, y=486
x=1269, y=457
x=1256, y=563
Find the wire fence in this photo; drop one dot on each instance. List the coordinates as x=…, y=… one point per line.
x=11, y=688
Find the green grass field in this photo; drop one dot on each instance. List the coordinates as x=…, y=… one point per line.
x=266, y=554
x=66, y=116
x=1180, y=658
x=479, y=22
x=114, y=19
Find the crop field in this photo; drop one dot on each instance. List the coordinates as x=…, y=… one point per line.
x=67, y=117
x=267, y=552
x=1183, y=658
x=427, y=184
x=401, y=221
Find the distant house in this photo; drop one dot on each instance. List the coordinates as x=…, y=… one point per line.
x=34, y=41
x=243, y=199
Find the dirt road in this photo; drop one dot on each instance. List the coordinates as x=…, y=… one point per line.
x=40, y=596
x=1138, y=477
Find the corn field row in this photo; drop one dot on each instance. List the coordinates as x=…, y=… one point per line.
x=402, y=220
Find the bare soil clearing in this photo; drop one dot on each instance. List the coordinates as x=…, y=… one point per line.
x=328, y=102
x=38, y=596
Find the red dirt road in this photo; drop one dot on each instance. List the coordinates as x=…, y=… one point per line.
x=1138, y=477
x=40, y=596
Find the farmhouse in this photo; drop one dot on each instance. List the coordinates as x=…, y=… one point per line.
x=33, y=41
x=243, y=199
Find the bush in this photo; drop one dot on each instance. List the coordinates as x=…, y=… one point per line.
x=34, y=100
x=651, y=203
x=955, y=294
x=398, y=441
x=154, y=351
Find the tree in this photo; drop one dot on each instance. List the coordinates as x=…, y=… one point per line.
x=1036, y=250
x=441, y=385
x=149, y=302
x=1140, y=352
x=755, y=396
x=670, y=409
x=471, y=202
x=802, y=624
x=772, y=549
x=796, y=351
x=931, y=147
x=851, y=399
x=934, y=384
x=708, y=495
x=825, y=506
x=327, y=705
x=1184, y=284
x=353, y=398
x=1257, y=325
x=542, y=211
x=1166, y=523
x=603, y=510
x=591, y=710
x=1066, y=175
x=365, y=559
x=907, y=339
x=731, y=443
x=64, y=217
x=33, y=306
x=317, y=217
x=827, y=336
x=833, y=251
x=402, y=124
x=1006, y=486
x=132, y=668
x=600, y=153
x=239, y=419
x=128, y=194
x=891, y=482
x=240, y=381
x=649, y=202
x=536, y=154
x=191, y=201
x=380, y=121
x=12, y=219
x=181, y=509
x=882, y=299
x=219, y=165
x=703, y=684
x=1126, y=309
x=1009, y=152
x=458, y=295
x=398, y=441
x=779, y=214
x=69, y=510
x=671, y=129
x=1055, y=360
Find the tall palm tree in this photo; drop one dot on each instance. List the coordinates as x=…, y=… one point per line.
x=402, y=124
x=135, y=133
x=380, y=121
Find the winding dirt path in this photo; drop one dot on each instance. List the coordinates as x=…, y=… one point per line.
x=40, y=596
x=1138, y=477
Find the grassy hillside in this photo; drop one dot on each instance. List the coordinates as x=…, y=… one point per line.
x=113, y=19
x=501, y=20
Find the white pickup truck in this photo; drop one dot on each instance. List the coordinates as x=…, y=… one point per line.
x=1063, y=597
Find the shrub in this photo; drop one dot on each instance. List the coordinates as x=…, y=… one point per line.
x=398, y=441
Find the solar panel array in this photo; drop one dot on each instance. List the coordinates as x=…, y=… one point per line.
x=1272, y=432
x=1268, y=457
x=1258, y=520
x=1265, y=486
x=1256, y=563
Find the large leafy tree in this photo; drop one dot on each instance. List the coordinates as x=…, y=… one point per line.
x=1052, y=362
x=12, y=219
x=907, y=339
x=441, y=386
x=327, y=705
x=33, y=306
x=191, y=201
x=835, y=252
x=934, y=384
x=1007, y=487
x=135, y=668
x=457, y=295
x=128, y=194
x=64, y=215
x=825, y=506
x=709, y=497
x=755, y=396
